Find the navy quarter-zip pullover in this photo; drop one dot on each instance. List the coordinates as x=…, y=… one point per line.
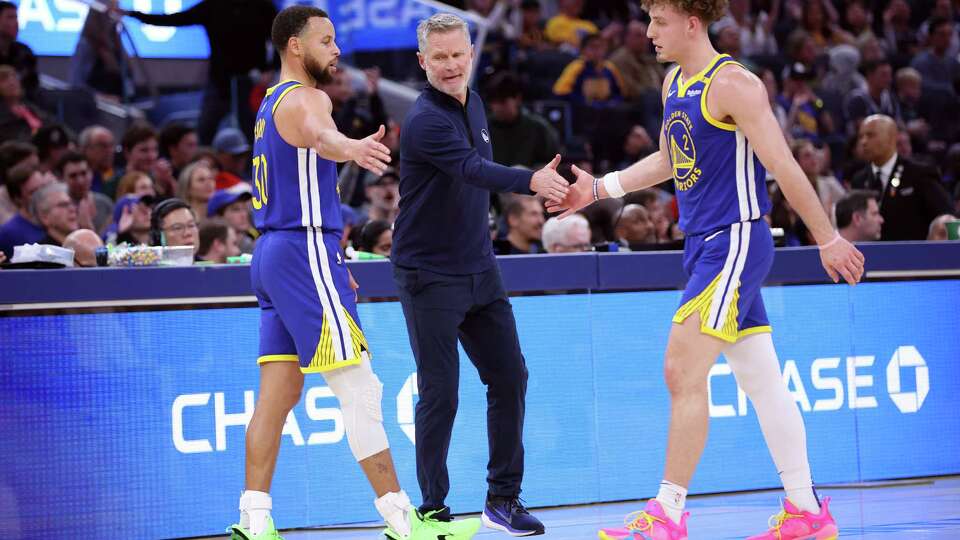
x=446, y=175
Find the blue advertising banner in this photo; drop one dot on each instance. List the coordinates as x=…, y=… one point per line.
x=52, y=27
x=109, y=419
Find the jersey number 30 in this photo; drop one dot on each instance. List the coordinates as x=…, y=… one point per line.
x=260, y=181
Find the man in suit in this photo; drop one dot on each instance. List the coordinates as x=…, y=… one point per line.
x=911, y=194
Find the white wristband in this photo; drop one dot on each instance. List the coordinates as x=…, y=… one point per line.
x=611, y=182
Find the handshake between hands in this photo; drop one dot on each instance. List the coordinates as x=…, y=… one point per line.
x=560, y=195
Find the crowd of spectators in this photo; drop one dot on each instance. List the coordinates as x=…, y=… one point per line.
x=866, y=93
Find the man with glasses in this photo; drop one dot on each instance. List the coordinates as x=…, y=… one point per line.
x=57, y=214
x=93, y=209
x=174, y=224
x=570, y=235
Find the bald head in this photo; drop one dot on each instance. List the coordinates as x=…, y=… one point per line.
x=84, y=244
x=877, y=139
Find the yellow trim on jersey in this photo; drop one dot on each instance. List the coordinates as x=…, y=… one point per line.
x=277, y=358
x=324, y=358
x=684, y=85
x=706, y=112
x=567, y=78
x=281, y=96
x=701, y=304
x=278, y=85
x=754, y=330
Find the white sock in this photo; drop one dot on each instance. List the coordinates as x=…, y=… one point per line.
x=672, y=498
x=757, y=370
x=255, y=508
x=395, y=509
x=805, y=499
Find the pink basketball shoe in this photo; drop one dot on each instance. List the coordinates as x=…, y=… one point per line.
x=651, y=523
x=795, y=524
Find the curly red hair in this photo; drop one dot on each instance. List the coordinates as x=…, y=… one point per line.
x=707, y=11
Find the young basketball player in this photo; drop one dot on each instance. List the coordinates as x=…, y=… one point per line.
x=719, y=138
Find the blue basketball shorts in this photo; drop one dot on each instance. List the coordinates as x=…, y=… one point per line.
x=308, y=312
x=727, y=267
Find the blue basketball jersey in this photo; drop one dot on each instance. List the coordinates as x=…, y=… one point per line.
x=718, y=179
x=293, y=187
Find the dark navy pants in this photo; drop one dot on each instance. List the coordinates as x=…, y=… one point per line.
x=473, y=308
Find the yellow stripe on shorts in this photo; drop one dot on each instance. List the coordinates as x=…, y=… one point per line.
x=324, y=358
x=702, y=303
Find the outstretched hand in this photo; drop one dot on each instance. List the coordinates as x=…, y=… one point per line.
x=841, y=258
x=579, y=195
x=548, y=183
x=371, y=154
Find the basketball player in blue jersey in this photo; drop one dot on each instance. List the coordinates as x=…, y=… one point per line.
x=308, y=314
x=719, y=138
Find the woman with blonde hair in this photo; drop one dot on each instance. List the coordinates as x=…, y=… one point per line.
x=197, y=184
x=136, y=183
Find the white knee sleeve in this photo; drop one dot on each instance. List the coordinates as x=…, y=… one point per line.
x=360, y=391
x=757, y=370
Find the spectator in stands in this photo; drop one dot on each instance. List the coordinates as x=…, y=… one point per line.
x=376, y=237
x=635, y=230
x=23, y=228
x=858, y=216
x=773, y=94
x=356, y=115
x=802, y=48
x=93, y=209
x=233, y=155
x=141, y=152
x=820, y=22
x=14, y=53
x=19, y=119
x=877, y=98
x=383, y=194
x=871, y=49
x=567, y=28
x=827, y=187
x=518, y=136
x=914, y=109
x=55, y=211
x=196, y=187
x=178, y=143
x=217, y=242
x=238, y=32
x=806, y=116
x=531, y=36
x=98, y=145
x=84, y=244
x=173, y=224
x=524, y=217
x=131, y=221
x=726, y=37
x=637, y=145
x=13, y=153
x=843, y=77
x=939, y=70
x=638, y=68
x=899, y=38
x=233, y=206
x=100, y=63
x=911, y=194
x=857, y=19
x=568, y=236
x=136, y=183
x=591, y=80
x=938, y=227
x=53, y=141
x=755, y=31
x=942, y=9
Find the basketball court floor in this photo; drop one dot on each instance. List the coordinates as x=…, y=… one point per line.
x=920, y=509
